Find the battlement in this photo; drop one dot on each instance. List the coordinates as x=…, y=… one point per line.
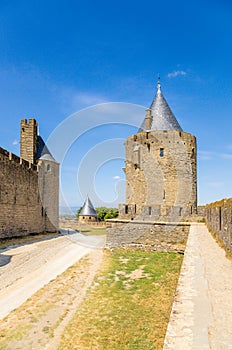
x=30, y=121
x=28, y=139
x=9, y=156
x=174, y=135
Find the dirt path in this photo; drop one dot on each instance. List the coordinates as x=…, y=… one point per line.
x=202, y=312
x=38, y=323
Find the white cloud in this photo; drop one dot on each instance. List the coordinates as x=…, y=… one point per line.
x=15, y=142
x=116, y=177
x=216, y=184
x=207, y=155
x=226, y=156
x=176, y=73
x=87, y=99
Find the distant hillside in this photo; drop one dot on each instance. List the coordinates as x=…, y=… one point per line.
x=68, y=211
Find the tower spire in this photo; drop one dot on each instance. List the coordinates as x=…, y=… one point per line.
x=158, y=84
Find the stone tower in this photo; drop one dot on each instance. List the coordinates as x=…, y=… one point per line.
x=28, y=139
x=88, y=214
x=34, y=150
x=161, y=169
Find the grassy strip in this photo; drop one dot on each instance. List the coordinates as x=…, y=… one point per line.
x=129, y=304
x=6, y=242
x=91, y=231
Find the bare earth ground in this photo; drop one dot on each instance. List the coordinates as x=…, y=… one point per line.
x=38, y=322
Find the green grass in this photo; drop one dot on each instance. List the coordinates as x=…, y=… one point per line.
x=91, y=231
x=129, y=305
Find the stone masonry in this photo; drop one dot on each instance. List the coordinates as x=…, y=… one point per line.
x=219, y=221
x=160, y=168
x=29, y=186
x=162, y=237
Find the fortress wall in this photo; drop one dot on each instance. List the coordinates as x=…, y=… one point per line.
x=163, y=237
x=21, y=210
x=219, y=221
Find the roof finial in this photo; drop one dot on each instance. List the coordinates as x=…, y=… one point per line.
x=158, y=84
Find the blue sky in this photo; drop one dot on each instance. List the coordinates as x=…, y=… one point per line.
x=58, y=57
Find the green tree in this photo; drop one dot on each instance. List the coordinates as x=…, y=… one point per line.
x=104, y=213
x=78, y=212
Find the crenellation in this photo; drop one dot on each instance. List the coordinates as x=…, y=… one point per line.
x=22, y=207
x=160, y=167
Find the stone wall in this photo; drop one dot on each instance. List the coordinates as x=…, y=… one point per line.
x=219, y=221
x=49, y=191
x=160, y=173
x=28, y=139
x=148, y=236
x=21, y=210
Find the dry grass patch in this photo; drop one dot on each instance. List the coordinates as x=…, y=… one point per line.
x=38, y=321
x=13, y=241
x=129, y=305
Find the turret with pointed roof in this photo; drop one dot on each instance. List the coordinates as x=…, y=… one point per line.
x=34, y=150
x=161, y=172
x=88, y=212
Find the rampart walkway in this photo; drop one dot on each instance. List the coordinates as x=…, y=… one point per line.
x=29, y=267
x=201, y=316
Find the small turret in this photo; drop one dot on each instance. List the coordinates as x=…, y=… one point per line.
x=88, y=212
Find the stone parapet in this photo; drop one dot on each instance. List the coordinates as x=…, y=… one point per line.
x=147, y=235
x=219, y=221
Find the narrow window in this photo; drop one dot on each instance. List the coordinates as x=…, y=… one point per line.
x=89, y=217
x=180, y=211
x=48, y=167
x=164, y=194
x=135, y=208
x=220, y=218
x=148, y=147
x=161, y=152
x=193, y=152
x=126, y=209
x=149, y=210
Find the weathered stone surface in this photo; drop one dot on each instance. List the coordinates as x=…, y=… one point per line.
x=219, y=221
x=148, y=236
x=161, y=175
x=28, y=189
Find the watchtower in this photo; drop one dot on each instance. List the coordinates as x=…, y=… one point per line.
x=161, y=168
x=28, y=139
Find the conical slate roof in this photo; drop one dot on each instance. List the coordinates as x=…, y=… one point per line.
x=88, y=208
x=162, y=116
x=43, y=152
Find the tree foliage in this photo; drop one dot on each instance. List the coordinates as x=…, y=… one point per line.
x=78, y=212
x=104, y=213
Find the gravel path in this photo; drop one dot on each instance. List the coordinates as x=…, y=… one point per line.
x=27, y=268
x=201, y=316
